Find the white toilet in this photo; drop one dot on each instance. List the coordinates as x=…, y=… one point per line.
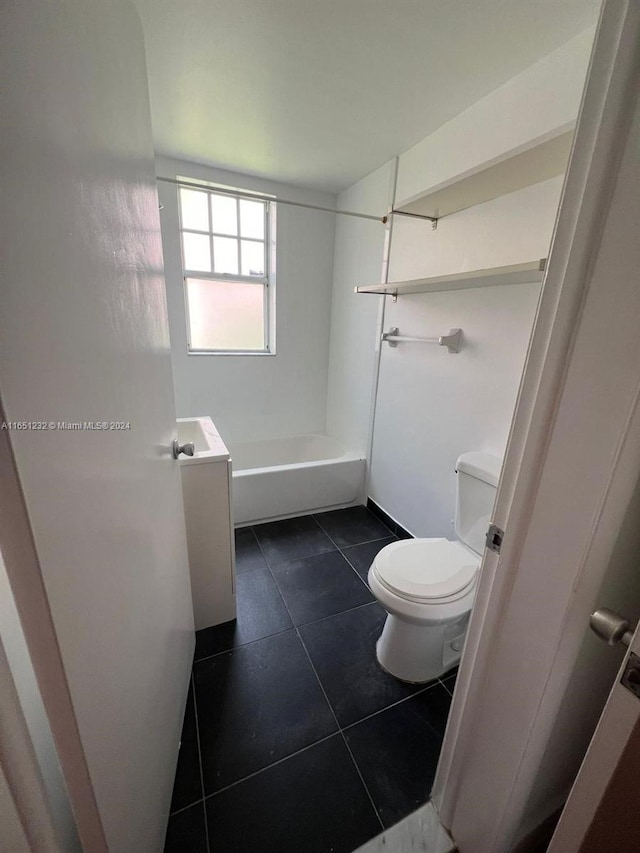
x=427, y=586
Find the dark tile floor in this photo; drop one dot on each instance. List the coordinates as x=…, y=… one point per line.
x=294, y=738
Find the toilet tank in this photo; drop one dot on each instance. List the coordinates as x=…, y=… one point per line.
x=477, y=483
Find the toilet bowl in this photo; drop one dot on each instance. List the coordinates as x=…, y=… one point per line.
x=427, y=586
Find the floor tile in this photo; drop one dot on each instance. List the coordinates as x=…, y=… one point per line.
x=319, y=586
x=433, y=705
x=291, y=539
x=256, y=705
x=449, y=679
x=397, y=754
x=352, y=525
x=248, y=553
x=343, y=652
x=361, y=556
x=313, y=802
x=187, y=786
x=261, y=613
x=186, y=832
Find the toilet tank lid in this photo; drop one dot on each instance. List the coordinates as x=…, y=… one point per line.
x=483, y=466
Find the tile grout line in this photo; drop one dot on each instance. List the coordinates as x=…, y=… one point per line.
x=360, y=578
x=283, y=631
x=267, y=636
x=269, y=766
x=340, y=613
x=244, y=645
x=322, y=529
x=368, y=541
x=342, y=734
x=450, y=692
x=328, y=535
x=329, y=705
x=304, y=624
x=364, y=784
x=395, y=705
x=273, y=578
x=184, y=808
x=195, y=711
x=358, y=607
x=340, y=729
x=344, y=556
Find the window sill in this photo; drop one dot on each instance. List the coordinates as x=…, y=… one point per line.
x=217, y=352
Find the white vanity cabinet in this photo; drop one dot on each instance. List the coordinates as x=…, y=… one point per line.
x=206, y=486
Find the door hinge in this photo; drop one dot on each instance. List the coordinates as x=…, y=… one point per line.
x=631, y=675
x=494, y=538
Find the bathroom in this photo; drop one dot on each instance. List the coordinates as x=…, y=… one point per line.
x=396, y=419
x=407, y=171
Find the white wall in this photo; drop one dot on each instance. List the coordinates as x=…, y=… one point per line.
x=538, y=103
x=259, y=396
x=433, y=405
x=430, y=405
x=359, y=247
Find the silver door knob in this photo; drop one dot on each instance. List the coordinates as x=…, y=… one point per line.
x=188, y=449
x=611, y=627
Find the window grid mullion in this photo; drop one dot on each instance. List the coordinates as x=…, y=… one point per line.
x=196, y=231
x=225, y=277
x=239, y=235
x=265, y=231
x=214, y=277
x=213, y=262
x=220, y=234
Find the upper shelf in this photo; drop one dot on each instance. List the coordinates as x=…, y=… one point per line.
x=511, y=274
x=515, y=170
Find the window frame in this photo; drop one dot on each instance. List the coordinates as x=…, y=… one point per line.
x=267, y=281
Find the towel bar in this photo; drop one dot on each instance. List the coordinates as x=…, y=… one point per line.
x=450, y=341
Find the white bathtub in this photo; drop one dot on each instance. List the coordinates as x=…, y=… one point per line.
x=282, y=477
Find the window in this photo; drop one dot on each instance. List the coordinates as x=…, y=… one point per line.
x=225, y=254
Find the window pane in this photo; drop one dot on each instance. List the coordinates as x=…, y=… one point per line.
x=252, y=258
x=225, y=255
x=194, y=210
x=227, y=315
x=252, y=218
x=197, y=252
x=224, y=214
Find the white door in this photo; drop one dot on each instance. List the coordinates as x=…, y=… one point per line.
x=525, y=702
x=602, y=814
x=84, y=342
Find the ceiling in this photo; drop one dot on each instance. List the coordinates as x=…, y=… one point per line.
x=321, y=92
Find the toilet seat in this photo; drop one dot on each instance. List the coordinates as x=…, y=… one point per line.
x=426, y=570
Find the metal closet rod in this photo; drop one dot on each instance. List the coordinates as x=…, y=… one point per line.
x=278, y=200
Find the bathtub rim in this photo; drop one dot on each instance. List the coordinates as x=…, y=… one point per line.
x=344, y=456
x=294, y=466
